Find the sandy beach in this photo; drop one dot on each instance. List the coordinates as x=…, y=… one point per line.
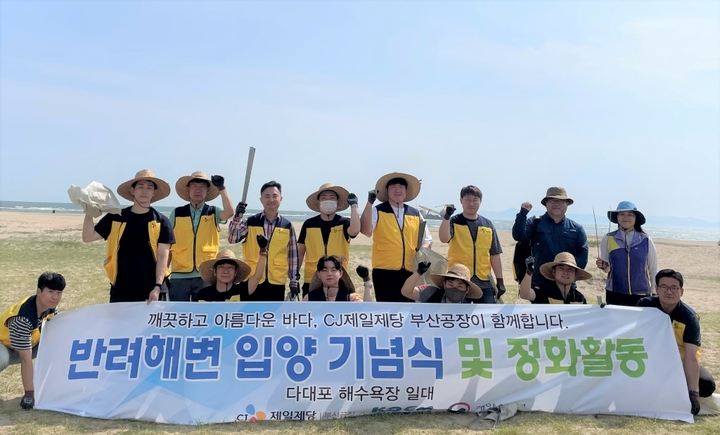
x=699, y=262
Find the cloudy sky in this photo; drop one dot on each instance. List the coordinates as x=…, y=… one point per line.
x=612, y=100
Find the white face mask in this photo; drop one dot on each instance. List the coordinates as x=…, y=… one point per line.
x=328, y=207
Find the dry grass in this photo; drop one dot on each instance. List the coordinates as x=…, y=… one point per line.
x=23, y=257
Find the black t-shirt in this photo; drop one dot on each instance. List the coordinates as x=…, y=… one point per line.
x=325, y=227
x=685, y=321
x=549, y=293
x=211, y=293
x=135, y=259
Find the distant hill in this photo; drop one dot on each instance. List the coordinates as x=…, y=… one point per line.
x=653, y=221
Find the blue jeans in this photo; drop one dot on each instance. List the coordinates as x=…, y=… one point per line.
x=488, y=296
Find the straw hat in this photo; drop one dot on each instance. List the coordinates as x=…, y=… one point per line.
x=567, y=259
x=345, y=279
x=313, y=202
x=162, y=189
x=226, y=255
x=458, y=271
x=182, y=184
x=413, y=186
x=626, y=206
x=556, y=193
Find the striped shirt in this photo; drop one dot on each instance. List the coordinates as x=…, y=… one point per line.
x=21, y=329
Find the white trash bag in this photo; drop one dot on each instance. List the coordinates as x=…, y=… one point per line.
x=95, y=199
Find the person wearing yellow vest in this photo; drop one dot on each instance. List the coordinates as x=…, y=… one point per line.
x=282, y=257
x=197, y=231
x=394, y=227
x=473, y=242
x=20, y=327
x=686, y=327
x=328, y=233
x=138, y=241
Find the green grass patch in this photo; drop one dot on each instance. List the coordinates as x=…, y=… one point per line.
x=22, y=259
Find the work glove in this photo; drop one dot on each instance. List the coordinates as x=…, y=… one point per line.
x=372, y=196
x=423, y=267
x=500, y=287
x=352, y=200
x=364, y=272
x=294, y=294
x=449, y=211
x=218, y=181
x=28, y=400
x=530, y=264
x=694, y=403
x=262, y=241
x=240, y=209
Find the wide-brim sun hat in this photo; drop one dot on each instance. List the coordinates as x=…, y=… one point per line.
x=567, y=259
x=181, y=186
x=317, y=283
x=458, y=271
x=556, y=192
x=626, y=206
x=413, y=186
x=206, y=268
x=162, y=189
x=313, y=202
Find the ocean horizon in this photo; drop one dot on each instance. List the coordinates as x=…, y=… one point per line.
x=697, y=234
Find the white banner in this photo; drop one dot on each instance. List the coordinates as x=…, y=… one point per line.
x=190, y=363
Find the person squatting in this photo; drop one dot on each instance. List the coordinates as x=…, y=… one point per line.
x=150, y=257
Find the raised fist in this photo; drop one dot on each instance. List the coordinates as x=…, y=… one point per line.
x=352, y=200
x=423, y=267
x=526, y=206
x=449, y=211
x=262, y=241
x=363, y=272
x=372, y=196
x=218, y=181
x=530, y=264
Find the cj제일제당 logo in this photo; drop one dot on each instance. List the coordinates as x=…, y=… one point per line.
x=251, y=414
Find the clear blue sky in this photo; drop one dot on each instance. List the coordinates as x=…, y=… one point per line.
x=612, y=100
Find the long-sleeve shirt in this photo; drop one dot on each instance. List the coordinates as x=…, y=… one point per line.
x=237, y=232
x=551, y=239
x=652, y=260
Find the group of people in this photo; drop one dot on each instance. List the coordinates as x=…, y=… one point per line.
x=149, y=255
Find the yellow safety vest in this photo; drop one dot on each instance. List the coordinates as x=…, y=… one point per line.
x=191, y=249
x=394, y=249
x=473, y=255
x=29, y=311
x=276, y=271
x=113, y=244
x=315, y=247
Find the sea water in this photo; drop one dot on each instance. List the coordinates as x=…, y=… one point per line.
x=702, y=234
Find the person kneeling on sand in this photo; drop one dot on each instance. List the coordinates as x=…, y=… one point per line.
x=331, y=283
x=560, y=287
x=226, y=275
x=686, y=325
x=455, y=286
x=20, y=330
